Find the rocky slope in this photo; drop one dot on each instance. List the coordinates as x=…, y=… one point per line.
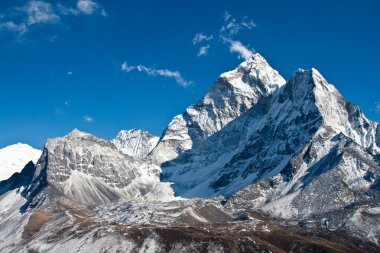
x=253, y=236
x=90, y=171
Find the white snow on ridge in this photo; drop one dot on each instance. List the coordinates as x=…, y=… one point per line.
x=234, y=93
x=13, y=158
x=135, y=143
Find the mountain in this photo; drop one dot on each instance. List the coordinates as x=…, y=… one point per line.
x=304, y=153
x=91, y=171
x=262, y=142
x=136, y=143
x=257, y=165
x=13, y=158
x=232, y=95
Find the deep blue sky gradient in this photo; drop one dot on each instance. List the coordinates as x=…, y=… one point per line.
x=339, y=38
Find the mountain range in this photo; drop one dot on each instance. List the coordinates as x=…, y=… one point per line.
x=259, y=164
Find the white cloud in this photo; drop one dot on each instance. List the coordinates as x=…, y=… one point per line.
x=232, y=26
x=227, y=35
x=199, y=37
x=88, y=119
x=248, y=23
x=19, y=20
x=90, y=7
x=67, y=10
x=238, y=47
x=203, y=51
x=87, y=6
x=11, y=26
x=230, y=29
x=126, y=68
x=227, y=16
x=176, y=75
x=40, y=12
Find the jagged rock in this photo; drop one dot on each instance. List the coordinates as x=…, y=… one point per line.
x=90, y=171
x=232, y=95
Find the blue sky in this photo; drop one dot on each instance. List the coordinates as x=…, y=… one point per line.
x=102, y=66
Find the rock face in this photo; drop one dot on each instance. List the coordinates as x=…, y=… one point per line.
x=90, y=170
x=291, y=139
x=136, y=143
x=231, y=96
x=13, y=158
x=18, y=179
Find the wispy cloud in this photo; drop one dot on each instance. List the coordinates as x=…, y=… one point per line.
x=20, y=28
x=89, y=7
x=126, y=68
x=239, y=48
x=203, y=51
x=88, y=118
x=33, y=14
x=19, y=20
x=86, y=7
x=67, y=10
x=40, y=12
x=232, y=26
x=70, y=73
x=227, y=35
x=199, y=37
x=176, y=75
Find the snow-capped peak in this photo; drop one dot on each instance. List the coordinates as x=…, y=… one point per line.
x=13, y=158
x=234, y=93
x=337, y=113
x=256, y=67
x=255, y=61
